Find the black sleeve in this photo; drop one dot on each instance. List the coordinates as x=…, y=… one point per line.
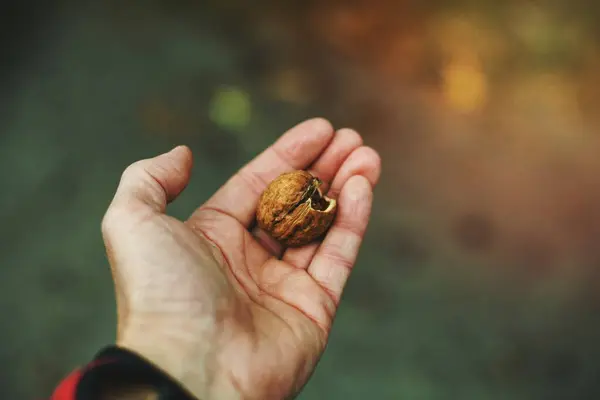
x=114, y=366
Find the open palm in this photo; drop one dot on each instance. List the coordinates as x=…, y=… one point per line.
x=213, y=300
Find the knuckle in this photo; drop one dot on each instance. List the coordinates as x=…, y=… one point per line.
x=110, y=219
x=349, y=229
x=335, y=255
x=286, y=153
x=106, y=224
x=134, y=169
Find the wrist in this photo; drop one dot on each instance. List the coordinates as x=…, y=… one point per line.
x=185, y=364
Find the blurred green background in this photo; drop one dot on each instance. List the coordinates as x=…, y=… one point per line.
x=479, y=278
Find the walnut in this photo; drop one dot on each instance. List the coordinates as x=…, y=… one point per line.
x=293, y=210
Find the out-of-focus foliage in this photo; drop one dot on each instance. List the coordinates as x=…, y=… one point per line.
x=479, y=275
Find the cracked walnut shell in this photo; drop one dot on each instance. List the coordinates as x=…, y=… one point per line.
x=293, y=210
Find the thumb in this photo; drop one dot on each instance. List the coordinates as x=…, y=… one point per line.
x=154, y=182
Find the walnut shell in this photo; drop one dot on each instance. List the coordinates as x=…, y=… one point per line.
x=293, y=210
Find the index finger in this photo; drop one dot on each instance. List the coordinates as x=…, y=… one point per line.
x=298, y=148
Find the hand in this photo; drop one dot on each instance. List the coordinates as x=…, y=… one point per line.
x=217, y=304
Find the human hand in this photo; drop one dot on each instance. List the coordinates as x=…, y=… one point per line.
x=216, y=303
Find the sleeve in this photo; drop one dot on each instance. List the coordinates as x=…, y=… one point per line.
x=114, y=366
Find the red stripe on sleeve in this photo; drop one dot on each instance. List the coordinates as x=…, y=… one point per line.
x=67, y=388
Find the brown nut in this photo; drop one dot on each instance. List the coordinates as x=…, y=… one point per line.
x=293, y=210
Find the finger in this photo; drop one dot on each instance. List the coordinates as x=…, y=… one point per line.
x=296, y=149
x=146, y=187
x=154, y=182
x=363, y=161
x=335, y=258
x=343, y=144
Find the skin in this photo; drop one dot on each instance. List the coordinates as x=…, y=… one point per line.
x=212, y=300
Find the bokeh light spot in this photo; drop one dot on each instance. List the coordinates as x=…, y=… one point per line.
x=230, y=108
x=464, y=85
